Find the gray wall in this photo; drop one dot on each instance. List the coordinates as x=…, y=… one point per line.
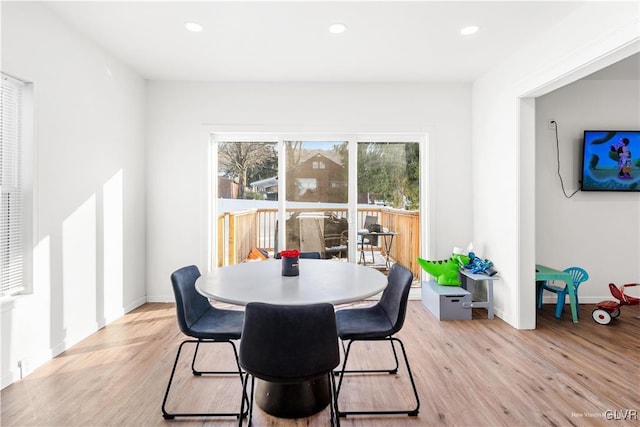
x=598, y=231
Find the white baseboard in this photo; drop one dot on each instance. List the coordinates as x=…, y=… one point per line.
x=415, y=294
x=160, y=298
x=135, y=304
x=551, y=299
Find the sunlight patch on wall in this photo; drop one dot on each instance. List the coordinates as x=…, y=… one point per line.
x=113, y=217
x=79, y=271
x=42, y=291
x=42, y=267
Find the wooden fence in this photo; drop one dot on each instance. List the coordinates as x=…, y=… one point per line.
x=239, y=232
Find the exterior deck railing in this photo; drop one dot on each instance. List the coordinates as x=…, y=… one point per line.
x=241, y=231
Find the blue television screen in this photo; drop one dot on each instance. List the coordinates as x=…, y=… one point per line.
x=611, y=160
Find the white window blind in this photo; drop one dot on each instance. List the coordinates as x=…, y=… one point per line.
x=11, y=227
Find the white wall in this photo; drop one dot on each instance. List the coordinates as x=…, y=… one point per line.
x=595, y=35
x=597, y=231
x=89, y=200
x=181, y=115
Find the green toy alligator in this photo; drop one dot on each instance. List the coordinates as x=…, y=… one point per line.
x=445, y=271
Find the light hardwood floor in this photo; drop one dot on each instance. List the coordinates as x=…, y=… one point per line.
x=469, y=373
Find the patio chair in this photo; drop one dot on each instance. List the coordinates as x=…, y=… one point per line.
x=336, y=245
x=367, y=239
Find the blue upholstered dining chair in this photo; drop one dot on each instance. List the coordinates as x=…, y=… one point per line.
x=578, y=275
x=379, y=322
x=290, y=344
x=198, y=319
x=304, y=255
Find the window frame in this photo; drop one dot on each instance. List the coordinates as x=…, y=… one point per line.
x=352, y=139
x=24, y=168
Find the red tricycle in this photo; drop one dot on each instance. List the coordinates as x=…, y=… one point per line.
x=606, y=311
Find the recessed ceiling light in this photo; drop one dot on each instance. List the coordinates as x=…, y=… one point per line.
x=467, y=31
x=337, y=28
x=193, y=26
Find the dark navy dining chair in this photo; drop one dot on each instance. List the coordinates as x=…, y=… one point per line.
x=378, y=322
x=290, y=344
x=304, y=255
x=198, y=319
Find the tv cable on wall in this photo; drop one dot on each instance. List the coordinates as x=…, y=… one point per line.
x=568, y=196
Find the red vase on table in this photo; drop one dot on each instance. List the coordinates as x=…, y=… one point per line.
x=290, y=262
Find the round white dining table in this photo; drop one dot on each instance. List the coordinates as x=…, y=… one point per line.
x=326, y=281
x=335, y=282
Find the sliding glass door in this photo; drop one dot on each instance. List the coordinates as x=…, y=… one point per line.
x=314, y=194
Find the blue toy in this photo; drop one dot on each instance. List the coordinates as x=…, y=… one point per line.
x=478, y=265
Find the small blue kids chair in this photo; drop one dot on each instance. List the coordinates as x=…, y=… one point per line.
x=578, y=275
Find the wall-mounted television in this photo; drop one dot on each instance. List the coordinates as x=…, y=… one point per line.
x=611, y=160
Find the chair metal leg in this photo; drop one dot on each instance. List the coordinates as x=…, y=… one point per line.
x=193, y=362
x=410, y=412
x=168, y=415
x=335, y=420
x=366, y=371
x=249, y=400
x=195, y=354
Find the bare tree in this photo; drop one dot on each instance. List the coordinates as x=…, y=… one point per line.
x=236, y=158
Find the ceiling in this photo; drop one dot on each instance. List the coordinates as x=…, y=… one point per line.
x=264, y=41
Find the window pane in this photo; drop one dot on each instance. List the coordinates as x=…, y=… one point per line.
x=248, y=170
x=389, y=174
x=317, y=193
x=317, y=171
x=312, y=230
x=388, y=200
x=247, y=199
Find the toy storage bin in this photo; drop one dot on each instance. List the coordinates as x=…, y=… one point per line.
x=446, y=302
